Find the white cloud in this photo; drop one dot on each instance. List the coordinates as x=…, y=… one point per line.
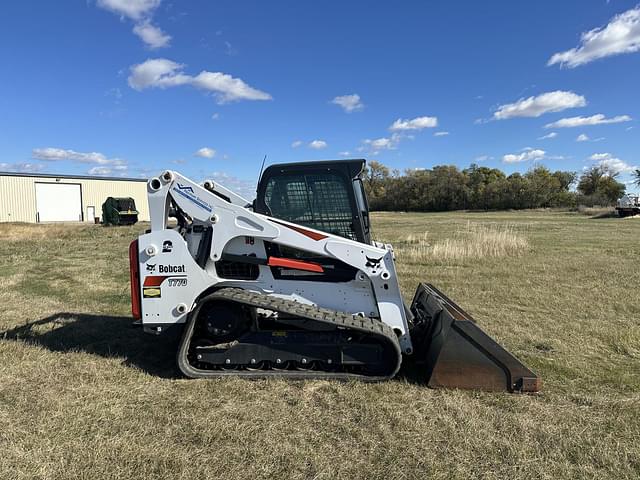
x=296, y=144
x=548, y=135
x=227, y=88
x=620, y=35
x=133, y=9
x=50, y=154
x=383, y=143
x=583, y=137
x=440, y=134
x=215, y=116
x=230, y=49
x=205, y=152
x=163, y=73
x=244, y=188
x=375, y=146
x=346, y=153
x=612, y=164
x=529, y=154
x=544, y=103
x=151, y=35
x=349, y=103
x=158, y=73
x=22, y=167
x=140, y=11
x=483, y=158
x=417, y=123
x=318, y=144
x=100, y=171
x=598, y=119
x=108, y=170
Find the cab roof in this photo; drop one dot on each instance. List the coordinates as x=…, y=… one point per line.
x=350, y=167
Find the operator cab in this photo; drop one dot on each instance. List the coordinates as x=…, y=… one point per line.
x=327, y=196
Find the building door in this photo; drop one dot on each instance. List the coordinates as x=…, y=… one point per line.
x=58, y=202
x=91, y=214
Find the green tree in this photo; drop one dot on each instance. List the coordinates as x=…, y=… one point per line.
x=516, y=189
x=542, y=186
x=445, y=187
x=448, y=189
x=590, y=180
x=375, y=180
x=566, y=179
x=478, y=178
x=598, y=185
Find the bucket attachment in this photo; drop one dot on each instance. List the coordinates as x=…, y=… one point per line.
x=456, y=353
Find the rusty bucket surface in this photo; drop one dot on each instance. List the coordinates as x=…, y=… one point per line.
x=454, y=352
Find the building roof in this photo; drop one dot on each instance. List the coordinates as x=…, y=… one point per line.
x=77, y=177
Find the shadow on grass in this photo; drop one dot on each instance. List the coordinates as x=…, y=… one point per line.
x=106, y=336
x=607, y=214
x=117, y=337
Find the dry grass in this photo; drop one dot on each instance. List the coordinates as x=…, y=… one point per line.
x=416, y=239
x=597, y=212
x=26, y=231
x=84, y=395
x=474, y=242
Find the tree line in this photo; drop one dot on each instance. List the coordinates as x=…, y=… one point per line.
x=446, y=187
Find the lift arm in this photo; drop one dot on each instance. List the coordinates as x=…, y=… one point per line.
x=230, y=218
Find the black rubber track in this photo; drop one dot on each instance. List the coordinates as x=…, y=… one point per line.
x=381, y=331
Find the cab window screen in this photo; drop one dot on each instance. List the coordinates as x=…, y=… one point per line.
x=319, y=201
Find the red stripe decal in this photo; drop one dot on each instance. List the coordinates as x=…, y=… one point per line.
x=154, y=280
x=295, y=264
x=307, y=233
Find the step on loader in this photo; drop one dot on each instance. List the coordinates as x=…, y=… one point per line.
x=292, y=285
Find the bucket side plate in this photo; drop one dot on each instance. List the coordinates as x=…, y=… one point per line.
x=454, y=352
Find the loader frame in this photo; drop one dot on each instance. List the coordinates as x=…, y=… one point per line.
x=334, y=304
x=374, y=292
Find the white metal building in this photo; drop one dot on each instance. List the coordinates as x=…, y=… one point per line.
x=33, y=198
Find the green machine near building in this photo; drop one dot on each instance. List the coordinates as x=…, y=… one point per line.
x=119, y=211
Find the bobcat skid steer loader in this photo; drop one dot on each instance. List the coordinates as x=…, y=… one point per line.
x=291, y=285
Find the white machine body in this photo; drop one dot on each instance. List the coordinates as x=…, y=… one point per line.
x=173, y=273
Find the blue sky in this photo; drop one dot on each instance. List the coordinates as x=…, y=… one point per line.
x=129, y=88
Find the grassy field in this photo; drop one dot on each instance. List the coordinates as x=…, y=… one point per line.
x=85, y=395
